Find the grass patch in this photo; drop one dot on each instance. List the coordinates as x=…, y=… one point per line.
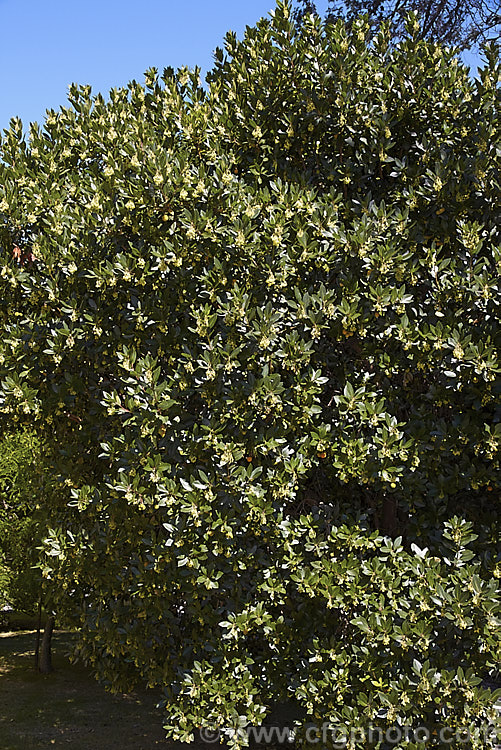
x=69, y=709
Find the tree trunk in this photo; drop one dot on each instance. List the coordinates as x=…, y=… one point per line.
x=394, y=519
x=39, y=627
x=389, y=517
x=45, y=665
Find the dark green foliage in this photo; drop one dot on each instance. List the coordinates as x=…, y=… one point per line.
x=262, y=324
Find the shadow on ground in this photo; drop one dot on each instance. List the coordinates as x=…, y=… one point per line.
x=68, y=709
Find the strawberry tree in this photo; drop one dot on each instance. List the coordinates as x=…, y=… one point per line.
x=260, y=320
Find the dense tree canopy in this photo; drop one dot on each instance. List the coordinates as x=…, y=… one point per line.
x=261, y=322
x=462, y=23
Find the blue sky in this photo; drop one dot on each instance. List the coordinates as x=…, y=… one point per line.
x=48, y=45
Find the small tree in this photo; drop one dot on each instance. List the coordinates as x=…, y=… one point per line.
x=261, y=323
x=24, y=522
x=20, y=519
